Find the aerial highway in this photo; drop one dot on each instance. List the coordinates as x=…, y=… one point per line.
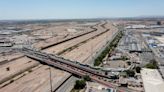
x=73, y=67
x=65, y=46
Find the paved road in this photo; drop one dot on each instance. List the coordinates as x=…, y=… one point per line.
x=68, y=85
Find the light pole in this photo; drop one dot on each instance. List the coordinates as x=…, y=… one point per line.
x=107, y=36
x=50, y=79
x=92, y=53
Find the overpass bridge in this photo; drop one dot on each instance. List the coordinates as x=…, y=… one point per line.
x=73, y=67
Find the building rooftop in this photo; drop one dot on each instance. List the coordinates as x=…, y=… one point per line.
x=95, y=87
x=152, y=80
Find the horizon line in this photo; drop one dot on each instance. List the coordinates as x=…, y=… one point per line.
x=35, y=19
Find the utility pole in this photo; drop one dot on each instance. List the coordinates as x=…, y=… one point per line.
x=92, y=53
x=107, y=37
x=50, y=79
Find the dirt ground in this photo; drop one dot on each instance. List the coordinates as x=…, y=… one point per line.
x=38, y=80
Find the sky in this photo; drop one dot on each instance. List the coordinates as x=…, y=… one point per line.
x=72, y=9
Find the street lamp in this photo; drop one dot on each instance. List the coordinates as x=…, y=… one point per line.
x=50, y=78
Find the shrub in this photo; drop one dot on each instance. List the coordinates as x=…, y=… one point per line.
x=138, y=69
x=152, y=65
x=80, y=84
x=130, y=73
x=87, y=78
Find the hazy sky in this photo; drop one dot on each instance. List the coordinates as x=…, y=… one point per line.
x=54, y=9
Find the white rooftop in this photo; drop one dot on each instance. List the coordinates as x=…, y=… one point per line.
x=152, y=80
x=71, y=30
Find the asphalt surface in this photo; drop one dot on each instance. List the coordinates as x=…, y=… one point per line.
x=68, y=85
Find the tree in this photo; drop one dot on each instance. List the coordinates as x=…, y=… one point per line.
x=159, y=23
x=152, y=64
x=87, y=78
x=106, y=73
x=130, y=73
x=80, y=84
x=8, y=68
x=129, y=63
x=124, y=58
x=138, y=69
